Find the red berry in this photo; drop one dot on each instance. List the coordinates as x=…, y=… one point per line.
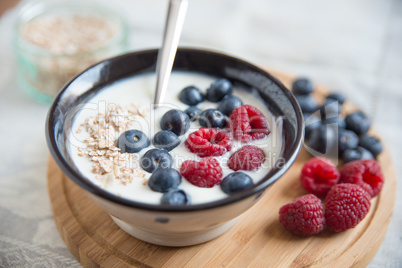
x=346, y=205
x=209, y=142
x=205, y=173
x=303, y=216
x=249, y=157
x=319, y=175
x=247, y=123
x=366, y=173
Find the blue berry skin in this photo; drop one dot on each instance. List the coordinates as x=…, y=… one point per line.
x=156, y=158
x=228, y=104
x=337, y=96
x=164, y=179
x=193, y=113
x=176, y=197
x=166, y=139
x=307, y=103
x=331, y=108
x=357, y=122
x=321, y=139
x=311, y=122
x=235, y=182
x=176, y=121
x=219, y=89
x=212, y=118
x=336, y=120
x=132, y=141
x=302, y=86
x=191, y=95
x=347, y=139
x=356, y=154
x=371, y=143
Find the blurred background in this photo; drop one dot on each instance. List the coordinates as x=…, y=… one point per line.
x=352, y=47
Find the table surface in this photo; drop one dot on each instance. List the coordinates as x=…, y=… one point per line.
x=353, y=47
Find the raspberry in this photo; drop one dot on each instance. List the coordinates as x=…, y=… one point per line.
x=319, y=175
x=205, y=173
x=249, y=157
x=209, y=142
x=303, y=216
x=366, y=173
x=247, y=123
x=346, y=205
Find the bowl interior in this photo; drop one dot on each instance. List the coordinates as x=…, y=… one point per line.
x=279, y=101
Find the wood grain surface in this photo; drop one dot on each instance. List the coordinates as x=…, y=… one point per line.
x=257, y=240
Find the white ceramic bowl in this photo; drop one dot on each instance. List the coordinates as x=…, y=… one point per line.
x=175, y=225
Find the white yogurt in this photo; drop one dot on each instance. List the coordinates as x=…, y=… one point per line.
x=139, y=90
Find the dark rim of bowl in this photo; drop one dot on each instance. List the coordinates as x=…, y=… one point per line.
x=274, y=174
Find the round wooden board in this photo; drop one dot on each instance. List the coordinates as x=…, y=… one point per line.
x=257, y=240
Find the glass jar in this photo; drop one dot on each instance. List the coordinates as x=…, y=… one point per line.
x=56, y=40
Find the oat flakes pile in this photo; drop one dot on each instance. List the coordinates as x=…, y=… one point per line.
x=69, y=34
x=109, y=164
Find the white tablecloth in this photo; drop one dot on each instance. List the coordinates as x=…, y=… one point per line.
x=351, y=46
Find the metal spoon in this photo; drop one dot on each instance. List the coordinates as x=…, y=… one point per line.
x=174, y=25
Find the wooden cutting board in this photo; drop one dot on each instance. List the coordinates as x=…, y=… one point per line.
x=257, y=240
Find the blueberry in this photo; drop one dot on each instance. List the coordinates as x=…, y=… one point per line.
x=337, y=96
x=132, y=141
x=191, y=95
x=357, y=122
x=321, y=139
x=371, y=143
x=356, y=154
x=193, y=113
x=212, y=118
x=302, y=86
x=156, y=158
x=228, y=104
x=164, y=179
x=176, y=121
x=235, y=182
x=335, y=120
x=307, y=103
x=311, y=122
x=166, y=139
x=219, y=89
x=347, y=139
x=331, y=108
x=176, y=197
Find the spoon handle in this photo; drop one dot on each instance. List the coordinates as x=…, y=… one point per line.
x=174, y=25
